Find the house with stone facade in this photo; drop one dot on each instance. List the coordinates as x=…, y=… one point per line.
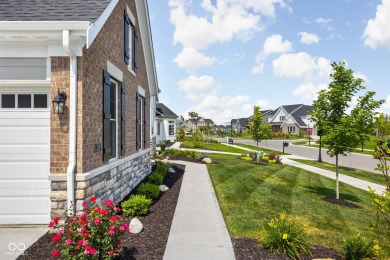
x=78, y=90
x=165, y=123
x=199, y=123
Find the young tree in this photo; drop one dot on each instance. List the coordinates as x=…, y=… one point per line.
x=266, y=133
x=181, y=121
x=180, y=134
x=382, y=151
x=192, y=114
x=257, y=123
x=382, y=123
x=207, y=130
x=340, y=133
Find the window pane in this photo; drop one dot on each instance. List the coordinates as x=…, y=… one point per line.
x=171, y=130
x=40, y=100
x=8, y=101
x=113, y=138
x=113, y=101
x=24, y=101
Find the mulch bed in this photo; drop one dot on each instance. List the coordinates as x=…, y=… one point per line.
x=342, y=203
x=151, y=242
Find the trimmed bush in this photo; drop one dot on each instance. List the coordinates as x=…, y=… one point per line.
x=149, y=190
x=286, y=236
x=357, y=247
x=163, y=145
x=162, y=169
x=136, y=205
x=155, y=178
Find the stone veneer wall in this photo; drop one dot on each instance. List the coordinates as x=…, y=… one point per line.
x=114, y=184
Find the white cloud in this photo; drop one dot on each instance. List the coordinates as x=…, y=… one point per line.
x=227, y=19
x=377, y=30
x=221, y=109
x=308, y=38
x=198, y=87
x=273, y=44
x=308, y=91
x=300, y=65
x=258, y=69
x=386, y=105
x=190, y=59
x=323, y=20
x=361, y=75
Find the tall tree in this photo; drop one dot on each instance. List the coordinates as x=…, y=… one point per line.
x=382, y=123
x=330, y=113
x=193, y=114
x=256, y=126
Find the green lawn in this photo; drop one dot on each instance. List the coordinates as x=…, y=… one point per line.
x=262, y=149
x=360, y=174
x=215, y=147
x=249, y=195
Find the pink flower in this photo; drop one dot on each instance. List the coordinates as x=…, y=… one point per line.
x=83, y=229
x=103, y=212
x=122, y=228
x=112, y=233
x=56, y=220
x=117, y=209
x=84, y=203
x=110, y=252
x=85, y=242
x=51, y=224
x=92, y=199
x=109, y=203
x=112, y=227
x=97, y=221
x=68, y=241
x=80, y=243
x=55, y=253
x=69, y=232
x=113, y=218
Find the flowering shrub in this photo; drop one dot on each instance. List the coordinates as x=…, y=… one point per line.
x=265, y=159
x=284, y=235
x=246, y=158
x=95, y=234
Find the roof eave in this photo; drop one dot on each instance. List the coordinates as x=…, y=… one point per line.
x=44, y=25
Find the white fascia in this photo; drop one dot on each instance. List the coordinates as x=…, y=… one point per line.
x=44, y=25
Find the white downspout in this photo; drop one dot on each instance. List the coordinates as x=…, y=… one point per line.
x=72, y=121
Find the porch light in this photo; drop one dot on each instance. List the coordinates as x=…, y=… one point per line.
x=59, y=102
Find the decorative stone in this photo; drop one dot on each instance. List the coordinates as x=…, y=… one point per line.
x=207, y=160
x=135, y=226
x=163, y=188
x=171, y=170
x=80, y=194
x=58, y=196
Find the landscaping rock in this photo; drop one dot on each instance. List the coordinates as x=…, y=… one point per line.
x=207, y=160
x=135, y=226
x=163, y=188
x=171, y=170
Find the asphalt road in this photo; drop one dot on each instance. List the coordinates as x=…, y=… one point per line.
x=357, y=161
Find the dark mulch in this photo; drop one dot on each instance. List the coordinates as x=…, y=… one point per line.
x=246, y=249
x=342, y=203
x=151, y=242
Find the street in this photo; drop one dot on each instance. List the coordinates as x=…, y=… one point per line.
x=358, y=161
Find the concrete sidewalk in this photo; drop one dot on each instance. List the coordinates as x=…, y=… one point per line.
x=198, y=230
x=358, y=183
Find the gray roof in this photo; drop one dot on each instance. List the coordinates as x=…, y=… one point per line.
x=290, y=108
x=52, y=10
x=164, y=111
x=304, y=110
x=299, y=120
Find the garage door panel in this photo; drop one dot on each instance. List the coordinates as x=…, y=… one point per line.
x=26, y=185
x=26, y=149
x=23, y=157
x=22, y=122
x=24, y=135
x=20, y=171
x=23, y=219
x=24, y=205
x=17, y=114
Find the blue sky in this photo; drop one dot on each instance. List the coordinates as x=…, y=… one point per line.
x=221, y=57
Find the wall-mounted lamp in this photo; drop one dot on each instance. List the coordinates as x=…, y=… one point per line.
x=59, y=102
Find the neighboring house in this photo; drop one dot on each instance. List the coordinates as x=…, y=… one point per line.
x=98, y=53
x=267, y=116
x=165, y=123
x=240, y=125
x=198, y=123
x=291, y=119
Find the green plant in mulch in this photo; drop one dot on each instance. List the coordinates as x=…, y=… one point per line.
x=203, y=155
x=286, y=236
x=136, y=205
x=161, y=169
x=156, y=178
x=356, y=248
x=149, y=190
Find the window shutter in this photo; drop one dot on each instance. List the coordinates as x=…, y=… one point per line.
x=138, y=128
x=126, y=41
x=123, y=120
x=106, y=116
x=135, y=50
x=144, y=128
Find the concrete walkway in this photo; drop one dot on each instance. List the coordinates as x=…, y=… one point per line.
x=198, y=230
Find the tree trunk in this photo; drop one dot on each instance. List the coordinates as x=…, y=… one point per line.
x=257, y=145
x=337, y=177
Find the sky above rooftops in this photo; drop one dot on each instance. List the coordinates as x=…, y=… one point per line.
x=219, y=58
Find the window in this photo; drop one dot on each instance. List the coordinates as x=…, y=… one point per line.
x=291, y=129
x=171, y=128
x=24, y=101
x=282, y=118
x=158, y=128
x=131, y=42
x=110, y=115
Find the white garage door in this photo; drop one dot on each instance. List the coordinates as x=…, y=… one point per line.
x=24, y=158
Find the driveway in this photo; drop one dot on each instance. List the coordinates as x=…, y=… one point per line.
x=358, y=161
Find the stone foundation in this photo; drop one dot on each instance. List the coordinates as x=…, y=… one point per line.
x=114, y=184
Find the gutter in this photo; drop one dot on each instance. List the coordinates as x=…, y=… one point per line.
x=70, y=178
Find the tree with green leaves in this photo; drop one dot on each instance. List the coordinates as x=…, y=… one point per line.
x=181, y=121
x=364, y=116
x=193, y=115
x=266, y=133
x=180, y=134
x=382, y=123
x=207, y=129
x=330, y=113
x=256, y=125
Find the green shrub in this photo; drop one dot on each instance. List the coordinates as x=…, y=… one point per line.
x=156, y=178
x=381, y=224
x=286, y=236
x=356, y=248
x=163, y=145
x=203, y=155
x=149, y=190
x=161, y=169
x=136, y=205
